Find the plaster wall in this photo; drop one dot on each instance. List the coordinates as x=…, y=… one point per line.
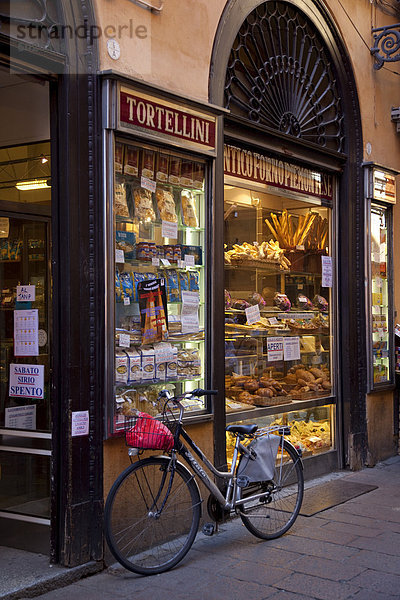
x=382, y=440
x=173, y=50
x=116, y=457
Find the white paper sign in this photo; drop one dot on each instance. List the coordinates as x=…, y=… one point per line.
x=26, y=332
x=26, y=381
x=252, y=314
x=25, y=293
x=169, y=230
x=4, y=227
x=155, y=261
x=273, y=321
x=165, y=262
x=119, y=256
x=326, y=271
x=291, y=348
x=80, y=423
x=378, y=282
x=124, y=340
x=127, y=301
x=275, y=348
x=21, y=417
x=148, y=184
x=189, y=260
x=190, y=312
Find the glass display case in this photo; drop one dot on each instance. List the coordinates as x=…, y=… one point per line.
x=160, y=261
x=380, y=297
x=311, y=429
x=279, y=297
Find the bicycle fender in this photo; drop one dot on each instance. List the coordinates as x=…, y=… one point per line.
x=190, y=475
x=297, y=452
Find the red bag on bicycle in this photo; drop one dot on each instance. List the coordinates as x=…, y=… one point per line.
x=149, y=434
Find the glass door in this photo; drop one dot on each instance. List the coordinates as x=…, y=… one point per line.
x=25, y=420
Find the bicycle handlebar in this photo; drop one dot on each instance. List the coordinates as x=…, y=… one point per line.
x=199, y=392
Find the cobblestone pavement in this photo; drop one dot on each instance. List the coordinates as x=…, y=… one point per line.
x=351, y=551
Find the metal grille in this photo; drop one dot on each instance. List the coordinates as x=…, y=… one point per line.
x=279, y=75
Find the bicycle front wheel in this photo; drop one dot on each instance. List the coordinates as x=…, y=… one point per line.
x=276, y=510
x=152, y=515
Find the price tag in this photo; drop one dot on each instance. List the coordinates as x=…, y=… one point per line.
x=124, y=340
x=326, y=271
x=190, y=312
x=169, y=230
x=273, y=321
x=291, y=348
x=165, y=262
x=252, y=314
x=127, y=300
x=181, y=264
x=155, y=261
x=119, y=256
x=189, y=260
x=148, y=184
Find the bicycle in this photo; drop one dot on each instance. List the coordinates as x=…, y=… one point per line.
x=153, y=509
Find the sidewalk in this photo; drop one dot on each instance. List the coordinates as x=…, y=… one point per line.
x=350, y=551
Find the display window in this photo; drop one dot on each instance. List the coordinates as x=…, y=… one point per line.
x=160, y=262
x=380, y=300
x=279, y=297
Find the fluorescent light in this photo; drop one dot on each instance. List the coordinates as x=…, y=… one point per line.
x=32, y=184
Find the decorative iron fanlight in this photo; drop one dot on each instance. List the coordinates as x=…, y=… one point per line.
x=279, y=75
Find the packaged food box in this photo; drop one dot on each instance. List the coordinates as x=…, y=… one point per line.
x=195, y=251
x=172, y=364
x=148, y=364
x=134, y=365
x=126, y=241
x=121, y=367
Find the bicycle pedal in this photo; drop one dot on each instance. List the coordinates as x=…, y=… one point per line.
x=208, y=529
x=242, y=481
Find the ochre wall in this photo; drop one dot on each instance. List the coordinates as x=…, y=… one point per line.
x=173, y=50
x=116, y=457
x=382, y=441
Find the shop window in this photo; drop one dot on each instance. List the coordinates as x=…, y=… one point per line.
x=160, y=262
x=278, y=312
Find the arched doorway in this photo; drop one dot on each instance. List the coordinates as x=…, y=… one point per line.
x=282, y=70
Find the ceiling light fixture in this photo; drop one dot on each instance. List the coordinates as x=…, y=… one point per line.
x=33, y=184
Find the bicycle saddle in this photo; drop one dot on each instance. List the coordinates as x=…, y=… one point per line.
x=245, y=429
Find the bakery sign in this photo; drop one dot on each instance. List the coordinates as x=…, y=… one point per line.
x=246, y=165
x=165, y=120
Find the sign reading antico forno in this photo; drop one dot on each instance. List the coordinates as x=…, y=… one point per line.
x=140, y=111
x=251, y=166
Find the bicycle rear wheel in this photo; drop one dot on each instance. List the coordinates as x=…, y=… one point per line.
x=275, y=512
x=152, y=515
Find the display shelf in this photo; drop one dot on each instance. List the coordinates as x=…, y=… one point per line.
x=148, y=382
x=296, y=405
